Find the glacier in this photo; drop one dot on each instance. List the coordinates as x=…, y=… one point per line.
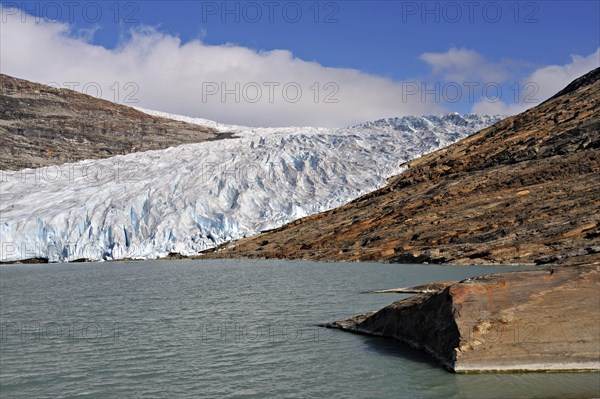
x=193, y=197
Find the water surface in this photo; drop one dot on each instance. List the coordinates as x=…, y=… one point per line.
x=243, y=329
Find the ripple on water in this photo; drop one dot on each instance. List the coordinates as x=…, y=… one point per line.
x=227, y=329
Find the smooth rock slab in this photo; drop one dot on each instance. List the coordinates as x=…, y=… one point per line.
x=542, y=320
x=428, y=288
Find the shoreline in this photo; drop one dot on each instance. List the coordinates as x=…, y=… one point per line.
x=30, y=261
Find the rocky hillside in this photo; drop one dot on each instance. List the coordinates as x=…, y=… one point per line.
x=187, y=199
x=525, y=190
x=41, y=126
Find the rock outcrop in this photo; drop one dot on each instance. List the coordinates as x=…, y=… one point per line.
x=525, y=190
x=418, y=289
x=543, y=320
x=42, y=126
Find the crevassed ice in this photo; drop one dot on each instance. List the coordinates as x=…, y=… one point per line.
x=193, y=197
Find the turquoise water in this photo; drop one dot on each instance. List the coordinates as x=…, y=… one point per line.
x=213, y=329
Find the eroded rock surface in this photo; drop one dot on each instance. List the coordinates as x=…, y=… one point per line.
x=418, y=289
x=542, y=320
x=525, y=191
x=42, y=126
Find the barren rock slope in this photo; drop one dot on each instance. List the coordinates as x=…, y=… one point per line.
x=41, y=126
x=525, y=190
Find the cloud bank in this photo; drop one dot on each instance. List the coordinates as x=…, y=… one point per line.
x=227, y=83
x=464, y=65
x=238, y=85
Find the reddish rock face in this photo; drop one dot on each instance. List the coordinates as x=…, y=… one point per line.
x=41, y=126
x=522, y=191
x=521, y=321
x=539, y=320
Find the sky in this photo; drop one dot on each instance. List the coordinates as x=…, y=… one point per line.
x=318, y=63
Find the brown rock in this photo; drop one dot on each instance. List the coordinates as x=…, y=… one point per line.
x=418, y=289
x=41, y=126
x=544, y=320
x=525, y=191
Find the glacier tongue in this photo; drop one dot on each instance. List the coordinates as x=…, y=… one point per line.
x=189, y=198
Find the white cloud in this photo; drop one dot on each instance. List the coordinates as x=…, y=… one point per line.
x=542, y=84
x=500, y=108
x=462, y=65
x=516, y=93
x=553, y=78
x=173, y=76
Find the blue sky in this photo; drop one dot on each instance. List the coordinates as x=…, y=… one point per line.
x=388, y=39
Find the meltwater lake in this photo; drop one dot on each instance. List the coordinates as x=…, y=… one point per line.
x=228, y=329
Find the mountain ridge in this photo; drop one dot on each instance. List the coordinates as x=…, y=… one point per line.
x=188, y=198
x=470, y=202
x=41, y=125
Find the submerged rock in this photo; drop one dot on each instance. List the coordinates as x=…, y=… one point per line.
x=418, y=289
x=542, y=320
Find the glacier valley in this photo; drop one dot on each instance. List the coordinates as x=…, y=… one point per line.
x=193, y=197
